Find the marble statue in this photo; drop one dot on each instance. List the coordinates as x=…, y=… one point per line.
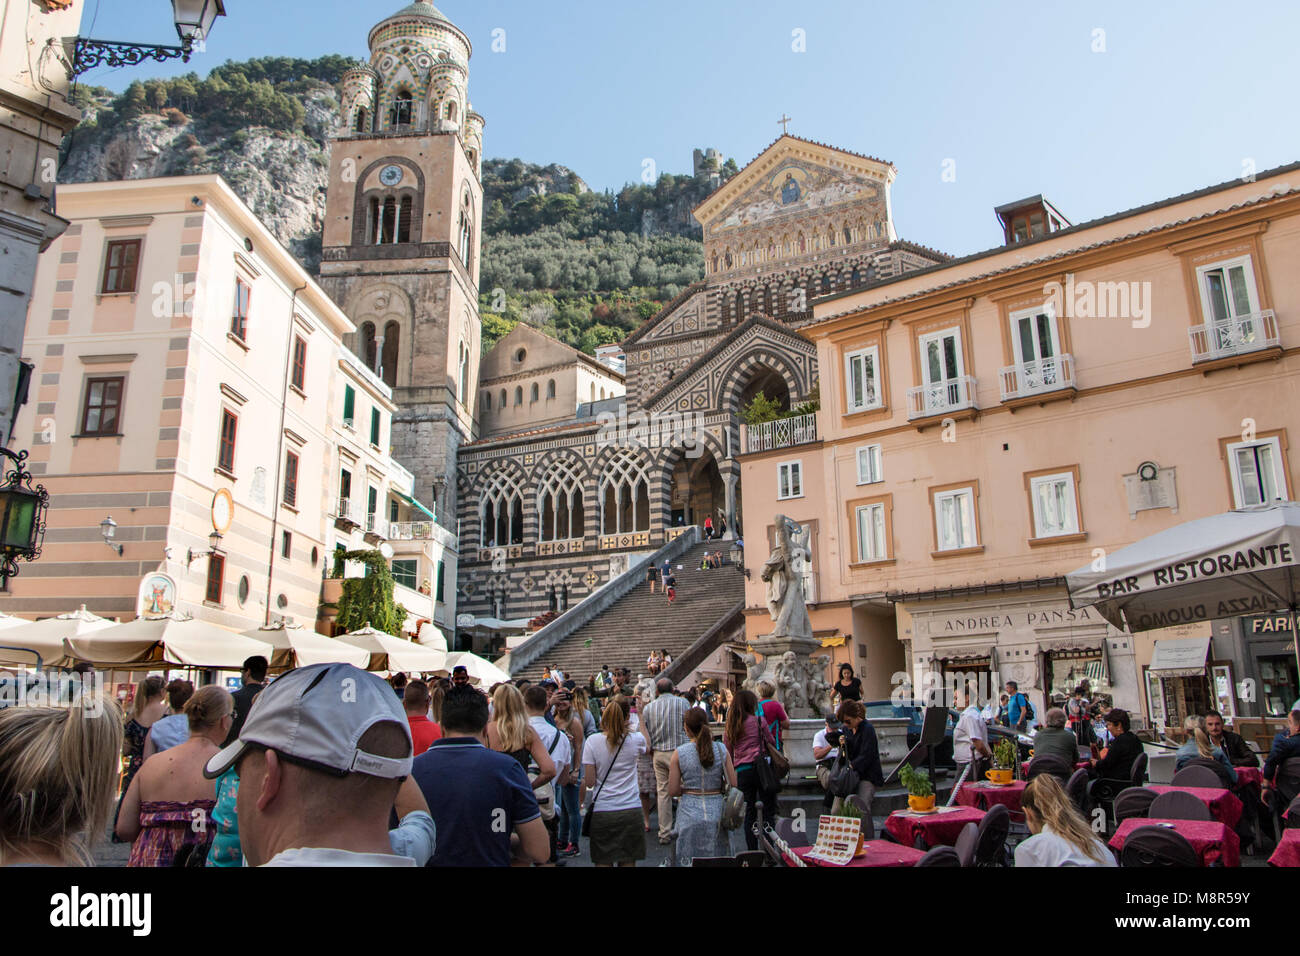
x=783, y=572
x=817, y=689
x=790, y=681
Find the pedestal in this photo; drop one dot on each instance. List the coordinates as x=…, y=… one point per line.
x=799, y=679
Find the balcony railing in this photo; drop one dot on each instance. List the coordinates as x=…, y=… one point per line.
x=1043, y=375
x=410, y=530
x=344, y=511
x=781, y=433
x=939, y=398
x=1237, y=336
x=376, y=525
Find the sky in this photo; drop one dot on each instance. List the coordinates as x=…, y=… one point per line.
x=1100, y=107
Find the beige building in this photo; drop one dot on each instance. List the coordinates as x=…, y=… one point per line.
x=191, y=378
x=35, y=115
x=989, y=424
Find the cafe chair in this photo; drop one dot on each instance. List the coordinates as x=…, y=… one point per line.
x=1287, y=779
x=1077, y=790
x=1133, y=802
x=715, y=861
x=1178, y=805
x=1050, y=763
x=1138, y=774
x=868, y=825
x=991, y=839
x=1285, y=797
x=940, y=856
x=1195, y=775
x=1156, y=847
x=967, y=840
x=786, y=831
x=1291, y=816
x=751, y=858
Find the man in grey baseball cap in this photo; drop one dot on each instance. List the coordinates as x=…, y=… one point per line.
x=320, y=759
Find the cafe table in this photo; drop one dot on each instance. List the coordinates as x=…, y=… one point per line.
x=940, y=828
x=1288, y=850
x=1213, y=842
x=1223, y=804
x=1249, y=776
x=1078, y=765
x=878, y=853
x=983, y=795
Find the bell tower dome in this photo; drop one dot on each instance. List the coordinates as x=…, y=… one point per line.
x=401, y=240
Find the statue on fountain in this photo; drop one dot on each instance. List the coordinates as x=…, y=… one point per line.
x=783, y=572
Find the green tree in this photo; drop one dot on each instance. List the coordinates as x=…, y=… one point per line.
x=761, y=409
x=369, y=600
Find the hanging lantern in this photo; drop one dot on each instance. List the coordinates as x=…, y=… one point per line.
x=22, y=515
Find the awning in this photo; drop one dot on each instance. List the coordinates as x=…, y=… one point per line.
x=414, y=503
x=837, y=641
x=965, y=653
x=1180, y=658
x=1047, y=645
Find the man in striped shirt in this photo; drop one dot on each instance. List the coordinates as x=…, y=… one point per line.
x=662, y=722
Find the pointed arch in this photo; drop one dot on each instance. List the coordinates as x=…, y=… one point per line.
x=624, y=493
x=560, y=507
x=501, y=509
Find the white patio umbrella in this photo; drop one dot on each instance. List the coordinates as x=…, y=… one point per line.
x=8, y=620
x=432, y=636
x=1241, y=562
x=46, y=637
x=481, y=672
x=175, y=640
x=296, y=646
x=388, y=653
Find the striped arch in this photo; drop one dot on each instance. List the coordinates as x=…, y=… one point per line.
x=761, y=357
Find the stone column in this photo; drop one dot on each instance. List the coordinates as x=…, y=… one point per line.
x=730, y=480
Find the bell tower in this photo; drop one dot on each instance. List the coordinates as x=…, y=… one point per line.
x=401, y=240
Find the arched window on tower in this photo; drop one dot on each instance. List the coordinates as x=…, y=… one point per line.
x=624, y=495
x=451, y=111
x=559, y=503
x=519, y=394
x=487, y=401
x=504, y=400
x=362, y=124
x=387, y=222
x=367, y=343
x=550, y=388
x=403, y=107
x=473, y=158
x=465, y=239
x=404, y=220
x=532, y=392
x=392, y=341
x=464, y=373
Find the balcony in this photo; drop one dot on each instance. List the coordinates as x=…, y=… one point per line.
x=941, y=398
x=1242, y=335
x=411, y=531
x=1028, y=379
x=376, y=527
x=781, y=433
x=344, y=513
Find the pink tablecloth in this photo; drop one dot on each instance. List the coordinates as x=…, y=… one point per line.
x=985, y=795
x=938, y=829
x=879, y=853
x=1288, y=851
x=1213, y=842
x=1224, y=805
x=1251, y=776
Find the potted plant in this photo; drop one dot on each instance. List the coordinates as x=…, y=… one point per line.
x=920, y=792
x=853, y=813
x=1004, y=762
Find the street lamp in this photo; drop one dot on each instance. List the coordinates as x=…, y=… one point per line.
x=214, y=546
x=108, y=528
x=22, y=515
x=193, y=18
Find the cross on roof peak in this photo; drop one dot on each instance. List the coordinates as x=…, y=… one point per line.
x=784, y=121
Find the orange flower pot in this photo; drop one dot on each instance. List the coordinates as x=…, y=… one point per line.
x=1000, y=777
x=920, y=804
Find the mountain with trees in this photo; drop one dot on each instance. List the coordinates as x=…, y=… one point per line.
x=587, y=267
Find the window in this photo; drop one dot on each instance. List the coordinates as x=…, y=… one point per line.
x=1228, y=290
x=121, y=266
x=504, y=399
x=291, y=478
x=861, y=379
x=226, y=450
x=1257, y=475
x=286, y=544
x=466, y=239
x=392, y=509
x=349, y=405
x=239, y=315
x=345, y=491
x=559, y=502
x=406, y=573
x=1055, y=506
x=374, y=427
x=464, y=373
x=954, y=519
x=438, y=587
x=363, y=120
x=298, y=374
x=404, y=219
x=624, y=494
x=102, y=411
x=871, y=532
x=487, y=401
x=869, y=470
x=372, y=507
x=519, y=395
x=402, y=109
x=550, y=388
x=216, y=578
x=501, y=512
x=532, y=393
x=789, y=479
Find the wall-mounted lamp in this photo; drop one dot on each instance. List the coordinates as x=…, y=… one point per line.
x=214, y=545
x=108, y=528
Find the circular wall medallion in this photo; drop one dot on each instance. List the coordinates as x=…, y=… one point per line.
x=390, y=175
x=223, y=510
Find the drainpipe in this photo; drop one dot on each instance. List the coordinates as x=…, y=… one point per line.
x=279, y=453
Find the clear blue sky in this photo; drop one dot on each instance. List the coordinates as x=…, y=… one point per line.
x=1012, y=92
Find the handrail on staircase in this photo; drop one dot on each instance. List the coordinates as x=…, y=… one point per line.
x=693, y=656
x=599, y=601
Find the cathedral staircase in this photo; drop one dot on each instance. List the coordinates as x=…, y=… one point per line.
x=624, y=634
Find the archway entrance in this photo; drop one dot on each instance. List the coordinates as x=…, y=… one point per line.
x=696, y=492
x=772, y=386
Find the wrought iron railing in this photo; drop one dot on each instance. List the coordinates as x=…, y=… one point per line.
x=1041, y=375
x=781, y=433
x=1237, y=336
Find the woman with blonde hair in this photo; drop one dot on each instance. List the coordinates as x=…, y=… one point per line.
x=510, y=733
x=58, y=778
x=1199, y=749
x=167, y=811
x=1061, y=835
x=609, y=760
x=583, y=705
x=700, y=773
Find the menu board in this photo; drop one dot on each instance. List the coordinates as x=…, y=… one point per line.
x=837, y=840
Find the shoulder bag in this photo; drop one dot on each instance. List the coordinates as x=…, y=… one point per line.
x=733, y=804
x=770, y=764
x=843, y=779
x=586, y=820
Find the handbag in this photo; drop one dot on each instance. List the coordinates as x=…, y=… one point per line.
x=586, y=820
x=770, y=764
x=733, y=807
x=843, y=779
